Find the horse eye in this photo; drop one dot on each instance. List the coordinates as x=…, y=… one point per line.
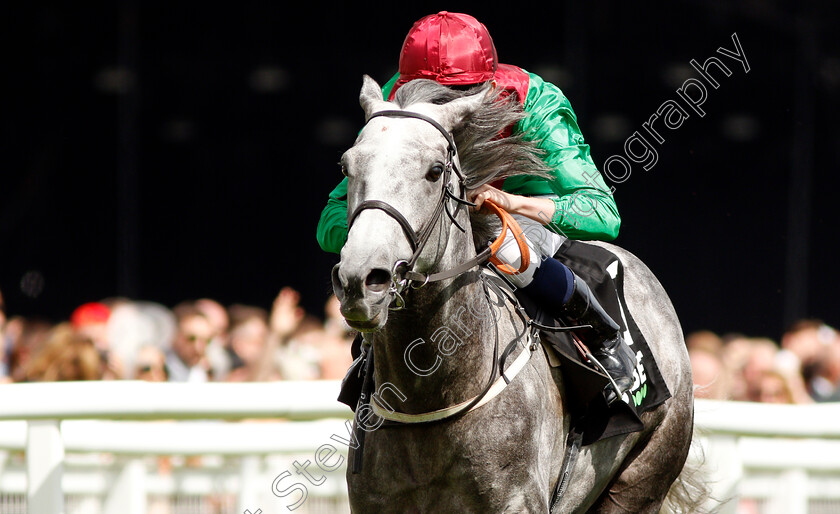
x=435, y=172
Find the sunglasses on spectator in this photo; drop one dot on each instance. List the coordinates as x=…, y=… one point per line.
x=148, y=368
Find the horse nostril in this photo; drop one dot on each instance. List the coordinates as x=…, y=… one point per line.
x=338, y=288
x=378, y=280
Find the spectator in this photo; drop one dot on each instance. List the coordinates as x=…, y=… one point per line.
x=215, y=313
x=806, y=341
x=66, y=355
x=249, y=345
x=705, y=340
x=781, y=385
x=709, y=373
x=336, y=338
x=825, y=384
x=736, y=351
x=27, y=336
x=774, y=387
x=150, y=364
x=186, y=361
x=135, y=324
x=705, y=349
x=295, y=356
x=334, y=323
x=300, y=356
x=218, y=349
x=760, y=360
x=90, y=320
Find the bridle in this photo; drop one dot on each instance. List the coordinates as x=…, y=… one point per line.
x=403, y=273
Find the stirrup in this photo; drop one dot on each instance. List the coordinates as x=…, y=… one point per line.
x=612, y=391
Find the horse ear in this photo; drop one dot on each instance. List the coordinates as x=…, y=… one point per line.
x=458, y=110
x=370, y=97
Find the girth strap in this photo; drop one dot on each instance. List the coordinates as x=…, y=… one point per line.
x=440, y=414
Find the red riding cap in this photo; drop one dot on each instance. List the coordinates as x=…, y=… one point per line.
x=450, y=48
x=455, y=49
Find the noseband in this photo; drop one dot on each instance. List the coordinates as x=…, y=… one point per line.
x=403, y=272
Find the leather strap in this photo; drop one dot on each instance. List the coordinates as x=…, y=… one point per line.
x=412, y=236
x=479, y=259
x=437, y=415
x=416, y=115
x=508, y=222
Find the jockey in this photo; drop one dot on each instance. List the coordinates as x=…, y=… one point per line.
x=457, y=50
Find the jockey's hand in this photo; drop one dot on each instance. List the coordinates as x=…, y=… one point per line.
x=488, y=192
x=538, y=209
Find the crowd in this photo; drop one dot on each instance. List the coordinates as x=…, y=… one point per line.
x=202, y=340
x=195, y=341
x=803, y=367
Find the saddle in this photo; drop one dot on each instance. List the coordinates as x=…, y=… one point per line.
x=591, y=416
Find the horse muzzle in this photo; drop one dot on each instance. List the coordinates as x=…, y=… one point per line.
x=364, y=294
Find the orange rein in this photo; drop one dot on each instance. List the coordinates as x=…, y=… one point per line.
x=508, y=223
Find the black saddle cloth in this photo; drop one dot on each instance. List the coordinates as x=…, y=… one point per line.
x=591, y=415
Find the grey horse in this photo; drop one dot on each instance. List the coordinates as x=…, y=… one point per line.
x=407, y=279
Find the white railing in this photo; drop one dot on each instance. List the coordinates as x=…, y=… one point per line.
x=785, y=458
x=780, y=458
x=58, y=420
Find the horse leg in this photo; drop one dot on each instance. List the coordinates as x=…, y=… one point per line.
x=652, y=466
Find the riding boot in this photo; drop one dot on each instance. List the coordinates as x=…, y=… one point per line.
x=565, y=295
x=604, y=340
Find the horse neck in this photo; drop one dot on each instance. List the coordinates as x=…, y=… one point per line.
x=438, y=350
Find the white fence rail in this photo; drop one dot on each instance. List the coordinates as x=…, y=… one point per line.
x=102, y=442
x=770, y=458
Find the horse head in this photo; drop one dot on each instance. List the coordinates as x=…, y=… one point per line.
x=403, y=177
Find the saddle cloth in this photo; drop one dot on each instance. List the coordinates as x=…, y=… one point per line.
x=591, y=415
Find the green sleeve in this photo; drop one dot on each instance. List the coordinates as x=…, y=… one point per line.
x=386, y=89
x=332, y=227
x=586, y=209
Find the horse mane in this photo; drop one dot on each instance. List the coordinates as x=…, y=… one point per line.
x=484, y=155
